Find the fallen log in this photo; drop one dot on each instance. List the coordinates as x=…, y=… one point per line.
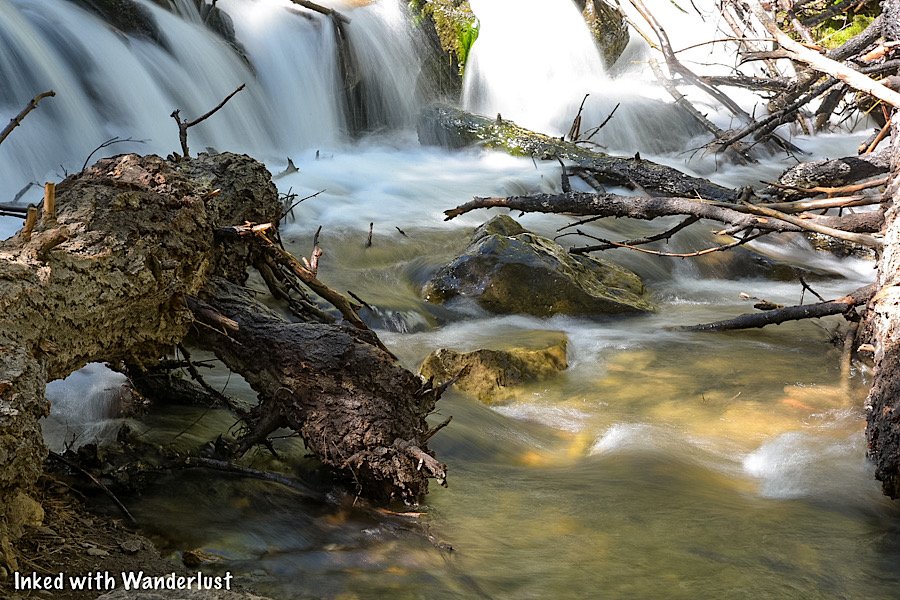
x=353, y=405
x=109, y=278
x=838, y=306
x=454, y=128
x=103, y=280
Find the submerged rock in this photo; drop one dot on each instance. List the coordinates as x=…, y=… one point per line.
x=489, y=375
x=507, y=269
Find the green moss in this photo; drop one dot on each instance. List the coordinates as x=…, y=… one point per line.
x=835, y=33
x=455, y=23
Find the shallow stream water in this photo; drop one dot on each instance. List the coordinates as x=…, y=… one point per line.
x=661, y=464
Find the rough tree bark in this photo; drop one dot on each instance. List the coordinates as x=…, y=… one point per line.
x=883, y=316
x=883, y=402
x=354, y=406
x=110, y=278
x=104, y=280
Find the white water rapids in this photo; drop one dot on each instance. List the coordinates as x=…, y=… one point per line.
x=660, y=464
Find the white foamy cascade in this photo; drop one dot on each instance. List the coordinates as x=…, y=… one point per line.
x=534, y=61
x=112, y=84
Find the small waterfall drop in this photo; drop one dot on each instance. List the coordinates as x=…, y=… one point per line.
x=533, y=62
x=110, y=83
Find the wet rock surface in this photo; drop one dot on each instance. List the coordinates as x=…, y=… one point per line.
x=492, y=375
x=509, y=270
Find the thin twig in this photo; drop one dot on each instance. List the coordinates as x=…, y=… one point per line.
x=592, y=132
x=96, y=482
x=184, y=125
x=294, y=205
x=695, y=254
x=107, y=144
x=665, y=235
x=17, y=120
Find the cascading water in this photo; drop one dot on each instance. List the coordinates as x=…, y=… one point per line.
x=534, y=61
x=112, y=84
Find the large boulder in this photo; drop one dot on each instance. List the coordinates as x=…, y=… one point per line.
x=507, y=269
x=493, y=375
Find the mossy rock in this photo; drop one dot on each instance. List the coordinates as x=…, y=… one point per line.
x=509, y=270
x=454, y=23
x=492, y=375
x=608, y=26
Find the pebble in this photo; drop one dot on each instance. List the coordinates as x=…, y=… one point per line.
x=131, y=546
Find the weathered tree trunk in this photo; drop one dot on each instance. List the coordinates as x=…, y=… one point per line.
x=883, y=317
x=104, y=280
x=110, y=278
x=883, y=403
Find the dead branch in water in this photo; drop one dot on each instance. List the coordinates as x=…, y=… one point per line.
x=606, y=244
x=651, y=207
x=301, y=271
x=791, y=313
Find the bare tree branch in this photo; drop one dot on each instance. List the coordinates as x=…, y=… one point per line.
x=17, y=120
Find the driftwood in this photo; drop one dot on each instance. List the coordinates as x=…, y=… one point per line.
x=105, y=281
x=838, y=306
x=648, y=208
x=353, y=405
x=110, y=278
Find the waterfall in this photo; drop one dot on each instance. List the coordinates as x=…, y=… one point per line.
x=110, y=83
x=534, y=61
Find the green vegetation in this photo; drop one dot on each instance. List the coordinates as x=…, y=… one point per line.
x=455, y=23
x=835, y=32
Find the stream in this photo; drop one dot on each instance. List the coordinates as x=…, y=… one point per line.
x=660, y=464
